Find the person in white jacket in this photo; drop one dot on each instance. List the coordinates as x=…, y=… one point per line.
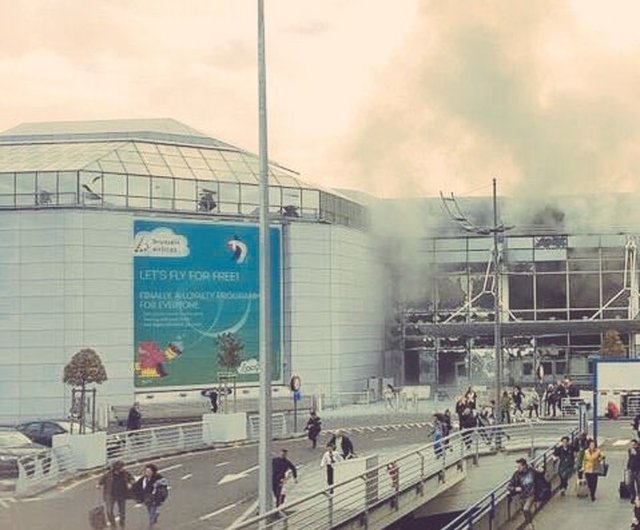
x=329, y=459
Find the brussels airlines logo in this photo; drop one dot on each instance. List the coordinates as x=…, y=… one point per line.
x=161, y=242
x=238, y=249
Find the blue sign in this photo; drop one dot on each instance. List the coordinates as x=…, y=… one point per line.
x=196, y=296
x=297, y=396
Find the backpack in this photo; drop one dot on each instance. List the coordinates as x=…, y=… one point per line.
x=542, y=487
x=161, y=492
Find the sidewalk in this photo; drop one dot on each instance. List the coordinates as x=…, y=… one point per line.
x=155, y=414
x=609, y=511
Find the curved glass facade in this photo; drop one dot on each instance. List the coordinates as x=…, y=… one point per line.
x=155, y=170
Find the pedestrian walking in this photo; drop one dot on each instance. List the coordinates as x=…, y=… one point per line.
x=533, y=404
x=469, y=422
x=592, y=460
x=342, y=444
x=213, y=395
x=471, y=398
x=505, y=408
x=115, y=484
x=279, y=467
x=436, y=438
x=329, y=459
x=522, y=485
x=134, y=419
x=551, y=400
x=518, y=396
x=313, y=428
x=565, y=455
x=633, y=469
x=152, y=490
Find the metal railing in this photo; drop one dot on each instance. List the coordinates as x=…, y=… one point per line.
x=496, y=508
x=361, y=495
x=40, y=471
x=278, y=425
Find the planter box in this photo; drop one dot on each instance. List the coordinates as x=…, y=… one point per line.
x=224, y=427
x=89, y=450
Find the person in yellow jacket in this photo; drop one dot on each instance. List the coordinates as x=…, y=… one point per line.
x=591, y=461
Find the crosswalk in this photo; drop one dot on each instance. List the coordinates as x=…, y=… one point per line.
x=383, y=428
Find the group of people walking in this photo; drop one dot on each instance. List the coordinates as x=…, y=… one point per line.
x=118, y=485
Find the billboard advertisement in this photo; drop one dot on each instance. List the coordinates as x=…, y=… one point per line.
x=196, y=298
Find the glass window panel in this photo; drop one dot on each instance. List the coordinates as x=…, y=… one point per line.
x=480, y=243
x=185, y=191
x=451, y=257
x=129, y=155
x=253, y=163
x=25, y=188
x=584, y=291
x=211, y=154
x=248, y=178
x=450, y=291
x=551, y=266
x=143, y=147
x=613, y=241
x=67, y=187
x=218, y=164
x=196, y=163
x=107, y=166
x=480, y=257
x=162, y=193
x=578, y=241
x=7, y=189
x=169, y=150
x=229, y=197
x=47, y=188
x=136, y=169
x=590, y=265
x=520, y=242
x=160, y=171
x=139, y=186
x=521, y=291
x=204, y=174
x=190, y=152
x=310, y=202
x=519, y=255
x=292, y=196
x=153, y=159
x=551, y=291
x=250, y=194
x=555, y=254
x=612, y=284
x=114, y=189
x=451, y=244
x=275, y=197
x=612, y=265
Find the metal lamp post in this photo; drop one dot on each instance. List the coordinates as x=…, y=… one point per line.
x=265, y=443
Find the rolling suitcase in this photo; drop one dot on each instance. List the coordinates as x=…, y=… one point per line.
x=97, y=517
x=582, y=490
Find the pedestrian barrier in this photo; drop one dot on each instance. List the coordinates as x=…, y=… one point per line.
x=393, y=489
x=278, y=426
x=40, y=471
x=43, y=470
x=498, y=507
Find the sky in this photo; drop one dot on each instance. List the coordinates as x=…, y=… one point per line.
x=396, y=99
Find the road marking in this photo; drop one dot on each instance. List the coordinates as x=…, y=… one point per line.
x=236, y=476
x=187, y=477
x=32, y=499
x=621, y=442
x=382, y=439
x=221, y=510
x=170, y=468
x=139, y=505
x=252, y=510
x=222, y=464
x=4, y=503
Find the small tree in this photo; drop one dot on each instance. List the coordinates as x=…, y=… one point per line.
x=84, y=368
x=229, y=350
x=612, y=345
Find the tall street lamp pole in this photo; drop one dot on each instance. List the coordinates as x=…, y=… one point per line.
x=265, y=443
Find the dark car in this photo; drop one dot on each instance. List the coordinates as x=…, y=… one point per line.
x=15, y=446
x=43, y=431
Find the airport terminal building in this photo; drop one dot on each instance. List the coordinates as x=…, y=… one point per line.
x=139, y=238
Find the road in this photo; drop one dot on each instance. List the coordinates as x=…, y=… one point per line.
x=209, y=490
